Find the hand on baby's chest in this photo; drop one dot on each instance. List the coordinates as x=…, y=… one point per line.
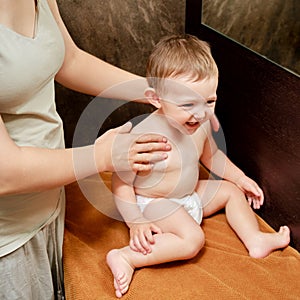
x=178, y=174
x=175, y=176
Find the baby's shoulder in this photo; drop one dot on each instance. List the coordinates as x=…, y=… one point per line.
x=150, y=124
x=142, y=126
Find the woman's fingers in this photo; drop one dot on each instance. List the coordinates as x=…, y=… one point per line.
x=145, y=162
x=132, y=151
x=151, y=146
x=151, y=137
x=151, y=157
x=145, y=152
x=139, y=167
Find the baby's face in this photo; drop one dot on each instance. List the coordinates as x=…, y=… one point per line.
x=188, y=104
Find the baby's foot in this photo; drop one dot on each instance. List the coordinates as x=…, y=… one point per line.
x=122, y=271
x=265, y=243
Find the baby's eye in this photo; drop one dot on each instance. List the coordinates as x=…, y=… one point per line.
x=211, y=102
x=187, y=105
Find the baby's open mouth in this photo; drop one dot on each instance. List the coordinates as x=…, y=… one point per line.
x=192, y=124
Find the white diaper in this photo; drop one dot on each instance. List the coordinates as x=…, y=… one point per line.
x=191, y=203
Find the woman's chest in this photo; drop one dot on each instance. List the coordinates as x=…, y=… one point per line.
x=29, y=63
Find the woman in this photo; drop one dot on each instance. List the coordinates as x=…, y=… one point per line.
x=35, y=50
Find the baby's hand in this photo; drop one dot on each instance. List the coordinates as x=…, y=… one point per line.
x=253, y=192
x=141, y=236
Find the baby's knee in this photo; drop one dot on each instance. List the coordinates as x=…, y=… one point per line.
x=232, y=189
x=194, y=243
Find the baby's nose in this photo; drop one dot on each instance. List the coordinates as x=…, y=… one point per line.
x=199, y=116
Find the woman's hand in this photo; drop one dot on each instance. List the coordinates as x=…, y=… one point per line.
x=117, y=150
x=253, y=192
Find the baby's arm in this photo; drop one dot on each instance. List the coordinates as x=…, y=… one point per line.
x=141, y=230
x=216, y=160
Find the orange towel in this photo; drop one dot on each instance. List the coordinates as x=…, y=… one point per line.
x=222, y=270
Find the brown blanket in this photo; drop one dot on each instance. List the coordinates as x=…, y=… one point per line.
x=222, y=270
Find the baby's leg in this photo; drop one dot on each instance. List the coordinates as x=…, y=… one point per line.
x=182, y=238
x=219, y=194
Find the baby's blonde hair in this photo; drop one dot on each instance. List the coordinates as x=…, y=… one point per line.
x=180, y=55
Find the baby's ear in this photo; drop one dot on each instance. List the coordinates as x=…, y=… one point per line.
x=152, y=97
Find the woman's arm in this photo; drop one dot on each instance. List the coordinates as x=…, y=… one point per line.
x=31, y=169
x=88, y=74
x=26, y=169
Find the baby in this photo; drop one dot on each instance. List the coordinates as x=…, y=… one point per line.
x=163, y=208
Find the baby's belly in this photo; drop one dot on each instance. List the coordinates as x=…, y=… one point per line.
x=176, y=183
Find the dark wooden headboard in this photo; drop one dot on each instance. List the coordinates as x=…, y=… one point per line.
x=259, y=111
